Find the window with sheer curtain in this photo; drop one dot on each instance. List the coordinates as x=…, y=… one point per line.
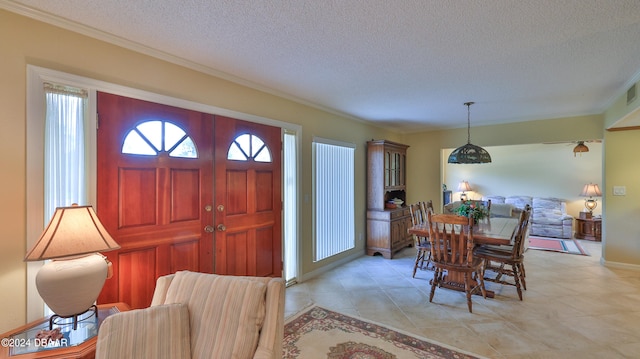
x=290, y=207
x=334, y=197
x=64, y=151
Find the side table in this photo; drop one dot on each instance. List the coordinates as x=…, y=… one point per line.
x=589, y=228
x=22, y=343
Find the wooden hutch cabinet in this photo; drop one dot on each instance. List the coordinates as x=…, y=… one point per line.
x=387, y=223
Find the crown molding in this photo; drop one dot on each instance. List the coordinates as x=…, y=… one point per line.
x=89, y=31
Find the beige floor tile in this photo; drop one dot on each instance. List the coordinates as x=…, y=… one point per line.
x=573, y=306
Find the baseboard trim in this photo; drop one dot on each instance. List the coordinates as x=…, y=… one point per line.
x=619, y=265
x=328, y=267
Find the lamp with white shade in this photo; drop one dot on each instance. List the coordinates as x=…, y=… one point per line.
x=71, y=282
x=590, y=190
x=463, y=187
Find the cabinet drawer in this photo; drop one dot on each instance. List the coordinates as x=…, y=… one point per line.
x=400, y=213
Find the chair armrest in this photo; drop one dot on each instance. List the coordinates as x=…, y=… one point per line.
x=156, y=332
x=272, y=333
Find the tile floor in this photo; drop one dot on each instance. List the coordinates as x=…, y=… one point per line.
x=573, y=308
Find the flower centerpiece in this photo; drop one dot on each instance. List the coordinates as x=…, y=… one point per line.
x=469, y=208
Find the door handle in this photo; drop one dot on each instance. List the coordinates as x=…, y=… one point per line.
x=222, y=227
x=209, y=229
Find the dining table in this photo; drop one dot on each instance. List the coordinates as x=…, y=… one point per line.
x=495, y=231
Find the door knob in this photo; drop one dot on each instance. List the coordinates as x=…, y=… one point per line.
x=222, y=227
x=209, y=229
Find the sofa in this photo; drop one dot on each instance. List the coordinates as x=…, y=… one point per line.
x=198, y=315
x=549, y=217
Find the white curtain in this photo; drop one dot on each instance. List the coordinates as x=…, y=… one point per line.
x=334, y=197
x=64, y=151
x=290, y=208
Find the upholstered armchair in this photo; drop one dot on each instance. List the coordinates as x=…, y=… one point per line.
x=550, y=218
x=197, y=315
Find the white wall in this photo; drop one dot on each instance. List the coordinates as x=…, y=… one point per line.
x=539, y=170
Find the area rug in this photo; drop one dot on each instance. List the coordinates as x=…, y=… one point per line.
x=321, y=333
x=570, y=246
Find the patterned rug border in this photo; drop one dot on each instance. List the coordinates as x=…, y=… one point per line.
x=375, y=329
x=581, y=249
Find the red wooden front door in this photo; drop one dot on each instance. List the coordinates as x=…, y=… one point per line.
x=248, y=198
x=153, y=203
x=157, y=200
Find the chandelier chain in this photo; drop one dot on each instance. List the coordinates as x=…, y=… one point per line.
x=468, y=104
x=468, y=122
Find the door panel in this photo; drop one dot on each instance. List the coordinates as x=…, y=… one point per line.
x=185, y=185
x=153, y=205
x=249, y=190
x=137, y=197
x=142, y=262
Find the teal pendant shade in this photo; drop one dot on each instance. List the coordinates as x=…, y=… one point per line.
x=469, y=153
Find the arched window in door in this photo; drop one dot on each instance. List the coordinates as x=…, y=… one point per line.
x=153, y=137
x=248, y=146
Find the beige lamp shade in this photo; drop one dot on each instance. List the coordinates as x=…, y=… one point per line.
x=590, y=190
x=72, y=231
x=464, y=186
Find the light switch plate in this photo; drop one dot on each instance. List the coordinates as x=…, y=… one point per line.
x=619, y=190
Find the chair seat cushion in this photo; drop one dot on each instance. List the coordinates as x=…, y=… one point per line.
x=155, y=332
x=226, y=313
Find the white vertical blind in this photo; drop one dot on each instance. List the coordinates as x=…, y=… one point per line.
x=334, y=197
x=290, y=208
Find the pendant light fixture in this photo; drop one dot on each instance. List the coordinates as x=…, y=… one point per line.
x=580, y=148
x=469, y=153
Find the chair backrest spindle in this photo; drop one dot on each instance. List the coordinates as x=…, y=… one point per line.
x=451, y=238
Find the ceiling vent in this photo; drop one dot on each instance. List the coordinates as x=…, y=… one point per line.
x=631, y=94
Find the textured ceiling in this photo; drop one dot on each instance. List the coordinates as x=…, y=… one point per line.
x=404, y=64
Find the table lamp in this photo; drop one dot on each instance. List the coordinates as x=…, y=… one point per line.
x=463, y=187
x=590, y=190
x=71, y=282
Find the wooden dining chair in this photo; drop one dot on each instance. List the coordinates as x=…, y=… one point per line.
x=509, y=261
x=451, y=239
x=423, y=249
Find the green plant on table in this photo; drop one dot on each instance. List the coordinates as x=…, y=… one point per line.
x=469, y=208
